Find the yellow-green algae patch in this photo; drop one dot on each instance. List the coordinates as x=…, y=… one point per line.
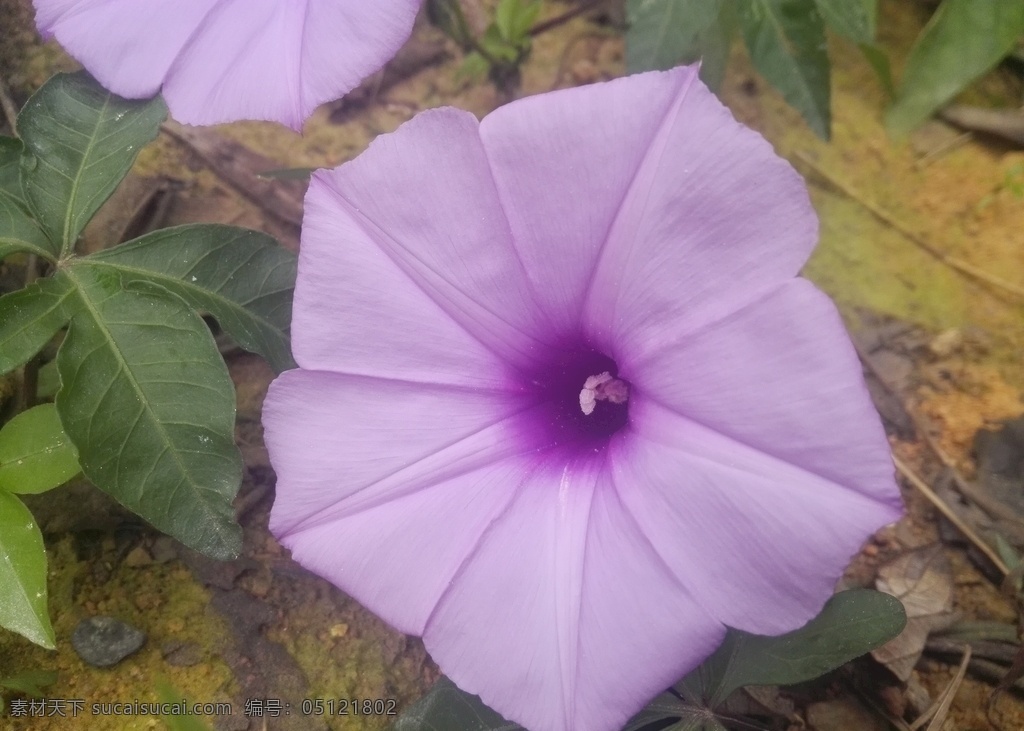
x=163, y=600
x=351, y=657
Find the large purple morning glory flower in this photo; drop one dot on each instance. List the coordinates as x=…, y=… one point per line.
x=224, y=60
x=563, y=407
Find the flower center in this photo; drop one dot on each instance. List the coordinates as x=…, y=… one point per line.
x=602, y=387
x=585, y=417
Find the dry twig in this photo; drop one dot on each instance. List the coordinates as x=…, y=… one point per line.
x=7, y=105
x=953, y=518
x=940, y=709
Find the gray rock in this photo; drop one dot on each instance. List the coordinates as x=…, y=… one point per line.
x=105, y=641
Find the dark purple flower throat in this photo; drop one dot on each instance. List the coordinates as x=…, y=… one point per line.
x=585, y=402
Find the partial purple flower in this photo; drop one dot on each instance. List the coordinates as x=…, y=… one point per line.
x=224, y=60
x=563, y=407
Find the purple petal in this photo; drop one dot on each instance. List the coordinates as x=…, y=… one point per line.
x=751, y=439
x=223, y=60
x=564, y=617
x=541, y=546
x=781, y=376
x=378, y=520
x=760, y=542
x=712, y=217
x=413, y=234
x=126, y=44
x=563, y=164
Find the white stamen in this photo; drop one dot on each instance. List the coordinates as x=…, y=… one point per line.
x=602, y=387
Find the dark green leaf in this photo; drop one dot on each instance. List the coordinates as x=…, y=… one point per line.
x=30, y=682
x=35, y=453
x=854, y=19
x=80, y=142
x=48, y=381
x=22, y=573
x=18, y=232
x=714, y=45
x=241, y=277
x=852, y=623
x=147, y=399
x=963, y=40
x=10, y=160
x=446, y=708
x=665, y=33
x=786, y=39
x=667, y=707
x=29, y=318
x=663, y=708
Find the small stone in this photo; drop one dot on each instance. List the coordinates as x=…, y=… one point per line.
x=138, y=557
x=339, y=630
x=164, y=549
x=259, y=585
x=147, y=601
x=946, y=343
x=104, y=641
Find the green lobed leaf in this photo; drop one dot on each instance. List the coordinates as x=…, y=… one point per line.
x=963, y=40
x=851, y=624
x=10, y=160
x=786, y=39
x=147, y=400
x=665, y=33
x=35, y=453
x=243, y=278
x=854, y=19
x=23, y=573
x=446, y=708
x=30, y=317
x=18, y=232
x=80, y=142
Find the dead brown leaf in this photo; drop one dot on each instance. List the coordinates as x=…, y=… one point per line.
x=923, y=581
